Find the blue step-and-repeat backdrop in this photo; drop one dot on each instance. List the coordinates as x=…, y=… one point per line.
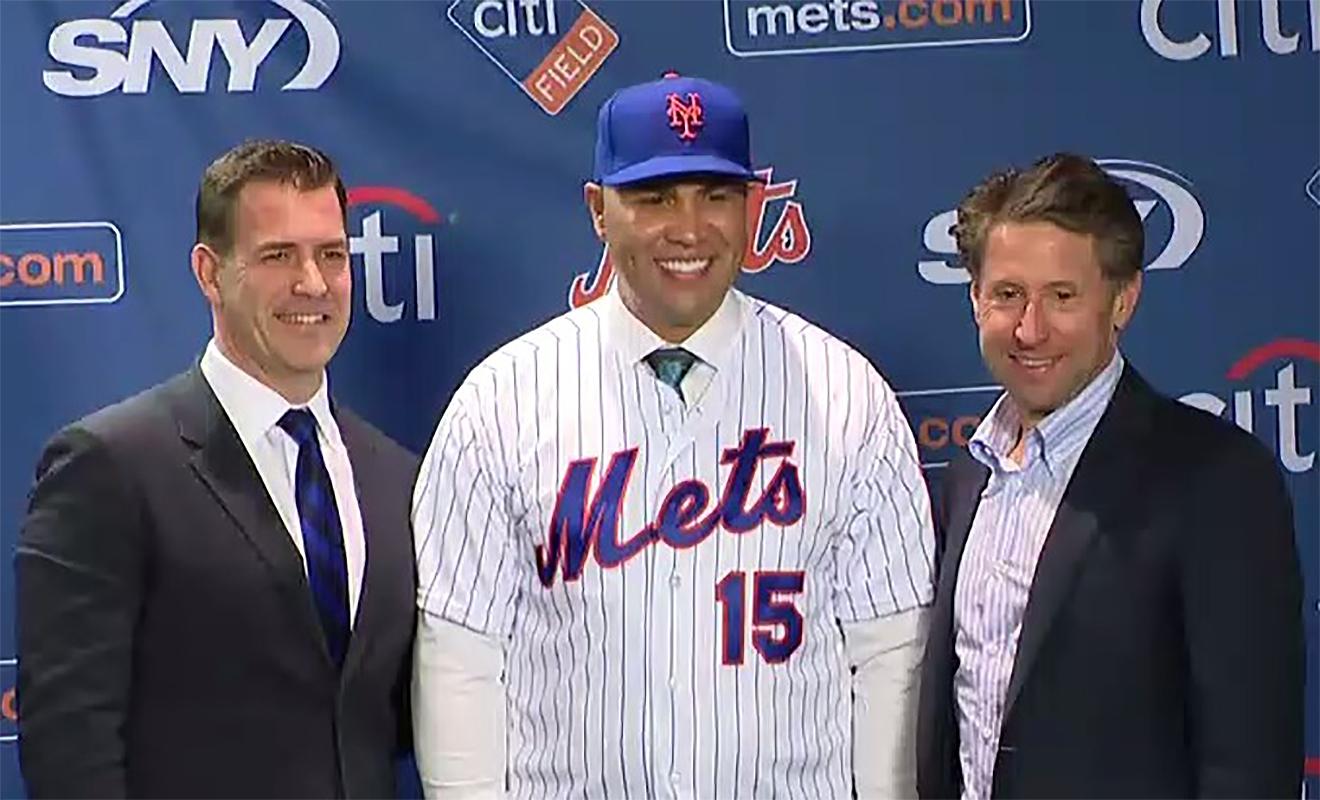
x=464, y=131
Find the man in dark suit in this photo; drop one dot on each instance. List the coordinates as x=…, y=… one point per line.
x=1118, y=611
x=215, y=577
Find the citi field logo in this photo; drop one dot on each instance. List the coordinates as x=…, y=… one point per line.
x=60, y=263
x=393, y=292
x=120, y=54
x=1174, y=220
x=789, y=27
x=1270, y=395
x=549, y=48
x=1177, y=31
x=787, y=241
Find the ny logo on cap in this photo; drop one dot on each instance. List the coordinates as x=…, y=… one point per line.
x=685, y=117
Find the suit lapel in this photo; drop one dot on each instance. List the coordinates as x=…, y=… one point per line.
x=1102, y=481
x=964, y=482
x=1067, y=541
x=225, y=467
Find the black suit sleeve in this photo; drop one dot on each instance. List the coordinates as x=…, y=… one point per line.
x=1242, y=607
x=940, y=514
x=79, y=570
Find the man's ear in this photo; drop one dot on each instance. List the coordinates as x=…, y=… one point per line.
x=1125, y=301
x=593, y=194
x=206, y=268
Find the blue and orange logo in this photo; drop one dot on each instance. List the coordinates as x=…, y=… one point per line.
x=790, y=27
x=945, y=419
x=550, y=48
x=60, y=263
x=8, y=700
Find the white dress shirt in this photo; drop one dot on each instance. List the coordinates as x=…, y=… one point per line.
x=1004, y=543
x=255, y=410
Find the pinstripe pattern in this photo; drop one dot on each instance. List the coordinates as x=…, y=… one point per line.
x=999, y=560
x=615, y=680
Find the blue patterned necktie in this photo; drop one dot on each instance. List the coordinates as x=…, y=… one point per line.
x=323, y=535
x=671, y=364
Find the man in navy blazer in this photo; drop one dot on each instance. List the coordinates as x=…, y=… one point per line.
x=1118, y=611
x=215, y=577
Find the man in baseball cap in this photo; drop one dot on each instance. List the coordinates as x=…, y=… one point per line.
x=673, y=149
x=674, y=542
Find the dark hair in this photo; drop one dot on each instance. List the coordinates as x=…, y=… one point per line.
x=305, y=168
x=1068, y=190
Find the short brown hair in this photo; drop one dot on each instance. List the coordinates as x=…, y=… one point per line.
x=298, y=165
x=1068, y=190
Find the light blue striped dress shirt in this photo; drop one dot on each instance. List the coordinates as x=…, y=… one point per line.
x=999, y=560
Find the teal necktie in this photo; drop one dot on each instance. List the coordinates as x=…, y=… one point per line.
x=671, y=364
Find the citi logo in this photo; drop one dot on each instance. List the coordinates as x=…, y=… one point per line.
x=1174, y=219
x=119, y=54
x=1280, y=35
x=1291, y=364
x=386, y=286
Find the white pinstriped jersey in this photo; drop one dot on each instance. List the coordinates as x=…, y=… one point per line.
x=671, y=577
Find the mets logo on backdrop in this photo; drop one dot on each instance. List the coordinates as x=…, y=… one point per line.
x=788, y=240
x=550, y=48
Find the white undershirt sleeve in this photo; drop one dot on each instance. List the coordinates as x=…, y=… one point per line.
x=885, y=654
x=458, y=711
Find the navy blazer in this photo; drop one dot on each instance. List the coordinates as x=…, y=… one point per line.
x=1161, y=651
x=168, y=643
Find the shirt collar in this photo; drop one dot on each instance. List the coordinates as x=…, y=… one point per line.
x=1059, y=438
x=253, y=407
x=713, y=342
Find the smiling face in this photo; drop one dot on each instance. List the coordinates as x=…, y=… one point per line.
x=280, y=298
x=1048, y=316
x=677, y=245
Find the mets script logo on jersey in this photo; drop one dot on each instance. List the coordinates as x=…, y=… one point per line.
x=788, y=241
x=581, y=523
x=685, y=117
x=523, y=39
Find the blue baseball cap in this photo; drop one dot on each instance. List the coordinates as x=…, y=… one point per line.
x=673, y=126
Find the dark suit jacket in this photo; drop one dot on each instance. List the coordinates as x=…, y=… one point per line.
x=168, y=643
x=1161, y=651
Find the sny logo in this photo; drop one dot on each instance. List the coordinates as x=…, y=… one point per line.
x=373, y=245
x=789, y=241
x=583, y=523
x=522, y=38
x=149, y=43
x=60, y=263
x=685, y=117
x=1154, y=188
